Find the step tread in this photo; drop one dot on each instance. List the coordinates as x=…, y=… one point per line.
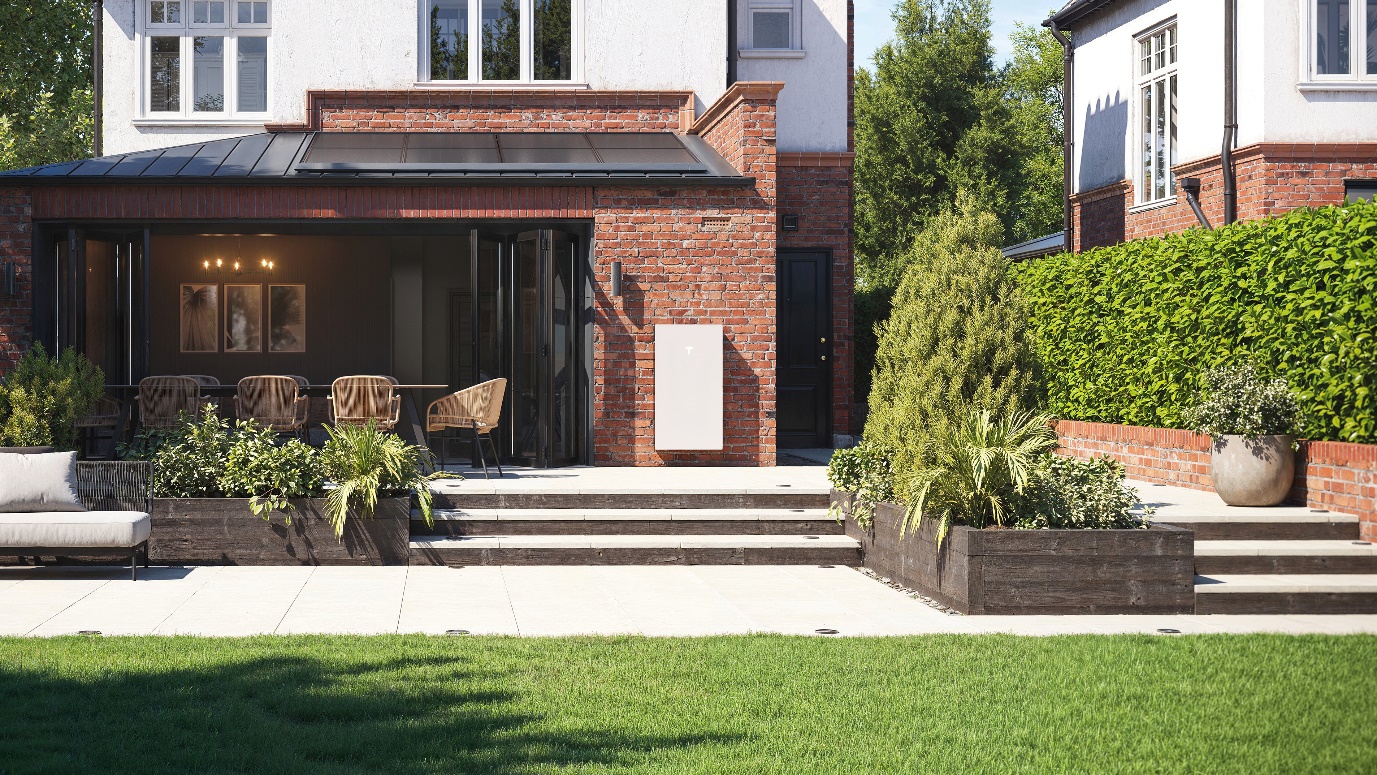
x=634, y=542
x=733, y=515
x=1186, y=520
x=472, y=487
x=1314, y=583
x=1238, y=548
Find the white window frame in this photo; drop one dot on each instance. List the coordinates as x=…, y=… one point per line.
x=1141, y=80
x=527, y=11
x=1357, y=78
x=746, y=29
x=186, y=31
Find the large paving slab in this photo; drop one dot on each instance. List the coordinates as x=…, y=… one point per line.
x=664, y=480
x=544, y=600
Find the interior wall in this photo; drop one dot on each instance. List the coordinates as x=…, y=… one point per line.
x=348, y=309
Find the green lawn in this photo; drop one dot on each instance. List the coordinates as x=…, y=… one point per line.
x=1207, y=704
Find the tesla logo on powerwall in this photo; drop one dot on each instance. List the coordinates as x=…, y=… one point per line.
x=688, y=387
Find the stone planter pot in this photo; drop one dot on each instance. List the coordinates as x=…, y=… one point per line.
x=1034, y=571
x=1253, y=472
x=223, y=531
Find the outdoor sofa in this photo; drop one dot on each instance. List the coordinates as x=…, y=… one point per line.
x=53, y=505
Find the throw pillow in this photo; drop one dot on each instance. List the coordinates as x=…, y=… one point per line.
x=38, y=482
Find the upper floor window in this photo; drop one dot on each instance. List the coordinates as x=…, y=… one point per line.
x=226, y=44
x=772, y=26
x=1343, y=40
x=1156, y=70
x=502, y=41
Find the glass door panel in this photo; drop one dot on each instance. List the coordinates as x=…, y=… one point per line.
x=563, y=332
x=526, y=382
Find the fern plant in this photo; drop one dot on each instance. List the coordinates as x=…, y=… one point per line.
x=977, y=467
x=364, y=463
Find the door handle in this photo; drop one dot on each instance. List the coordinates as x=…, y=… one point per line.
x=824, y=357
x=823, y=340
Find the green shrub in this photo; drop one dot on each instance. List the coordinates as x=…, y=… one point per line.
x=865, y=471
x=1236, y=401
x=364, y=463
x=42, y=398
x=188, y=459
x=1125, y=332
x=954, y=343
x=1069, y=494
x=257, y=467
x=978, y=467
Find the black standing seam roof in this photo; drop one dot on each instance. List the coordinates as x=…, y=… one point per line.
x=492, y=158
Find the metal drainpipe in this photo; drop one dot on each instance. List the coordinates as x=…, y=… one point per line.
x=1226, y=153
x=1069, y=144
x=731, y=42
x=96, y=54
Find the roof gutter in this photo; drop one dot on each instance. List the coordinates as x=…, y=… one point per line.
x=1068, y=54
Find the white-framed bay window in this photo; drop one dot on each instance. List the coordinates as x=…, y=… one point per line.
x=1339, y=44
x=771, y=29
x=1155, y=67
x=204, y=61
x=501, y=41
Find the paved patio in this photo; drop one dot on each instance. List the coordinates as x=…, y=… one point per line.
x=608, y=600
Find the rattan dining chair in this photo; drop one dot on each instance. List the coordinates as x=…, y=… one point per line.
x=103, y=417
x=361, y=399
x=476, y=408
x=274, y=402
x=163, y=400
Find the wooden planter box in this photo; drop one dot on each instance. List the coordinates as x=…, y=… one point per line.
x=223, y=531
x=1034, y=571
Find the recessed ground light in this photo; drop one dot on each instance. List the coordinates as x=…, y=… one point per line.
x=1319, y=511
x=1363, y=543
x=827, y=566
x=1168, y=631
x=456, y=632
x=825, y=631
x=88, y=632
x=812, y=538
x=784, y=485
x=798, y=510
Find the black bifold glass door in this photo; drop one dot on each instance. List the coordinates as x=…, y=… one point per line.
x=520, y=321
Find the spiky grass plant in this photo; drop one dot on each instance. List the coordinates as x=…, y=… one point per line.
x=977, y=466
x=364, y=463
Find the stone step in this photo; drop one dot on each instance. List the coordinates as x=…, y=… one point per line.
x=468, y=494
x=1286, y=594
x=1285, y=557
x=1305, y=526
x=635, y=550
x=480, y=522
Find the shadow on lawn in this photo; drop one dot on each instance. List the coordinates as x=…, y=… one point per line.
x=189, y=713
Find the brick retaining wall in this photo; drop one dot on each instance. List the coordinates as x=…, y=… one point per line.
x=1329, y=474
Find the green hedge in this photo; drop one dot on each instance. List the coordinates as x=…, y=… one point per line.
x=1124, y=332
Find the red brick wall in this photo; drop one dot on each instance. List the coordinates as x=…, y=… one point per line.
x=16, y=312
x=496, y=110
x=818, y=188
x=1329, y=474
x=1272, y=179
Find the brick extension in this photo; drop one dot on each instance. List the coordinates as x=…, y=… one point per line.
x=687, y=255
x=1272, y=179
x=1329, y=474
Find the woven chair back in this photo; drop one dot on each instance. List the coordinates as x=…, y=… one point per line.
x=163, y=399
x=359, y=399
x=268, y=400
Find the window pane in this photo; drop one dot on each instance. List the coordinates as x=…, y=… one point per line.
x=1159, y=189
x=553, y=32
x=253, y=74
x=1145, y=56
x=1171, y=137
x=770, y=29
x=165, y=12
x=208, y=12
x=1372, y=37
x=449, y=40
x=1171, y=45
x=1145, y=110
x=260, y=13
x=501, y=40
x=165, y=78
x=208, y=74
x=1331, y=37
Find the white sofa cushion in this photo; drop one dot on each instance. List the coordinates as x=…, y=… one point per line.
x=38, y=482
x=58, y=529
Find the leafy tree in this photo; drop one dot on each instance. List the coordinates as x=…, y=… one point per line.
x=1032, y=95
x=45, y=82
x=957, y=342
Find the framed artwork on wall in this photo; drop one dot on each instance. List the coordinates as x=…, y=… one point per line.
x=200, y=318
x=243, y=318
x=287, y=318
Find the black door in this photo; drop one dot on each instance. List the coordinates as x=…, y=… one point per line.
x=804, y=378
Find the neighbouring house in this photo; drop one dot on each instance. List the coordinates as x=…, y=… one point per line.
x=1266, y=105
x=448, y=191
